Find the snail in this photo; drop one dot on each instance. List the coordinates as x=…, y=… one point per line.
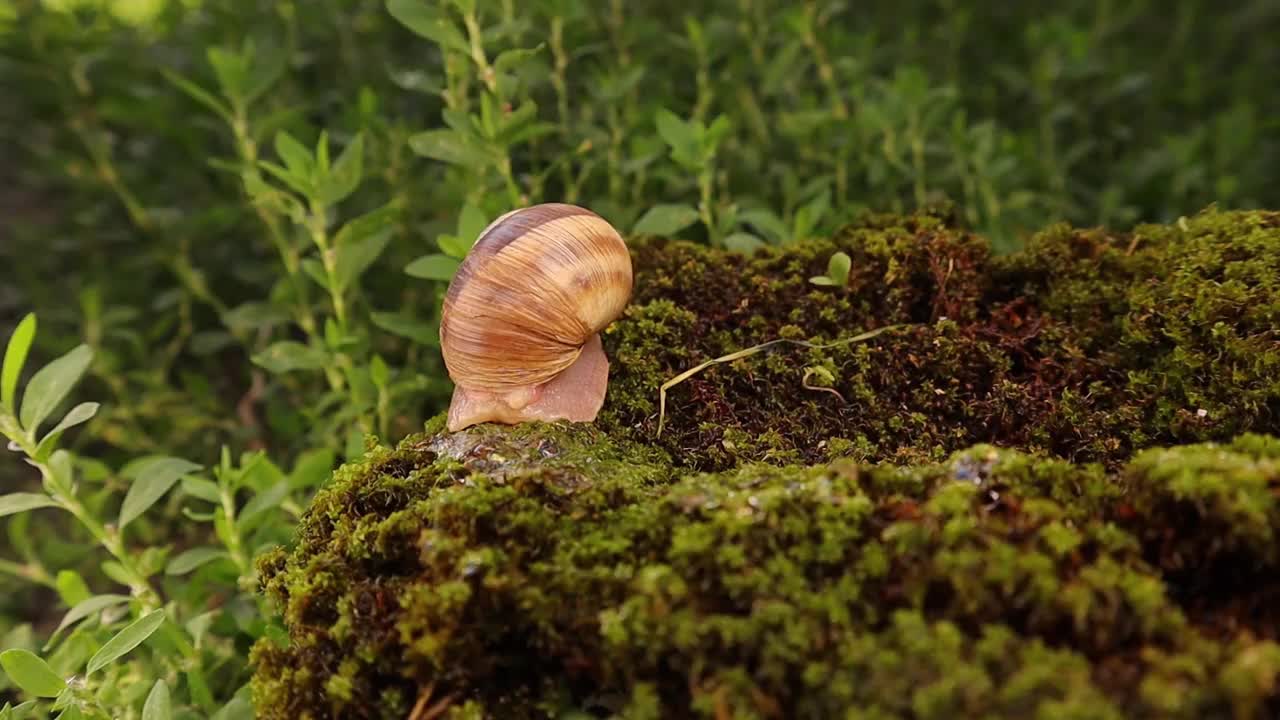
x=520, y=328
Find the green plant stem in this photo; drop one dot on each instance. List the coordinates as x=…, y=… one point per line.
x=918, y=165
x=107, y=173
x=384, y=412
x=513, y=190
x=289, y=256
x=476, y=38
x=30, y=572
x=617, y=134
x=705, y=93
x=560, y=83
x=329, y=259
x=111, y=540
x=235, y=546
x=706, y=179
x=826, y=71
x=457, y=81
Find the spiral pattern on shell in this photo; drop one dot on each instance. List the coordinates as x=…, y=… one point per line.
x=536, y=285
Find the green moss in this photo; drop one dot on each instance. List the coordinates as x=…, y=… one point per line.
x=1086, y=345
x=984, y=514
x=540, y=568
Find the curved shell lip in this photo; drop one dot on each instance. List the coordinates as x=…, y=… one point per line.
x=525, y=308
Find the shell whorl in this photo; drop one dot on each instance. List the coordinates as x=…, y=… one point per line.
x=537, y=283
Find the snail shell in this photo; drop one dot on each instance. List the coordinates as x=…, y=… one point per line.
x=519, y=330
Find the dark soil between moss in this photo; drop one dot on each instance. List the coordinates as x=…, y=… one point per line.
x=1052, y=494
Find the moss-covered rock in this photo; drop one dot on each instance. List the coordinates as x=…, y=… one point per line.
x=1088, y=345
x=996, y=510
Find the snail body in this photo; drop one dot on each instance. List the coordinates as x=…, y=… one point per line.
x=522, y=317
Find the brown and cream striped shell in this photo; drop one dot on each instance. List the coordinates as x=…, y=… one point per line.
x=536, y=285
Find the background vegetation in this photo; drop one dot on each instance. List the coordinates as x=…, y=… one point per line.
x=247, y=213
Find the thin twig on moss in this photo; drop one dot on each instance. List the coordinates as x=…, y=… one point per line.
x=748, y=352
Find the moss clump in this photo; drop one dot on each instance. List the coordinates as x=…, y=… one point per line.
x=540, y=569
x=1088, y=345
x=1050, y=493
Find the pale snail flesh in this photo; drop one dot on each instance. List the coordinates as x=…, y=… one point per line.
x=520, y=330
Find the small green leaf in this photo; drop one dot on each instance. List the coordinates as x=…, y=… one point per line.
x=433, y=267
x=58, y=472
x=262, y=502
x=471, y=222
x=715, y=133
x=673, y=130
x=838, y=268
x=345, y=175
x=429, y=21
x=194, y=558
x=508, y=59
x=300, y=184
x=297, y=159
x=449, y=146
x=367, y=225
x=152, y=480
x=51, y=384
x=116, y=571
x=379, y=372
x=322, y=153
x=453, y=246
x=254, y=315
x=202, y=489
x=354, y=258
x=312, y=468
x=79, y=414
x=515, y=133
x=21, y=502
x=199, y=625
x=263, y=72
x=315, y=270
x=744, y=243
x=71, y=587
x=272, y=198
x=30, y=673
x=85, y=608
x=157, y=706
x=766, y=223
x=127, y=639
x=9, y=427
x=682, y=137
x=18, y=712
x=287, y=356
x=237, y=708
x=231, y=71
x=199, y=94
x=665, y=220
x=15, y=356
x=332, y=334
x=808, y=217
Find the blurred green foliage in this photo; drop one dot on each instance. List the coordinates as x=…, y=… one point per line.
x=248, y=211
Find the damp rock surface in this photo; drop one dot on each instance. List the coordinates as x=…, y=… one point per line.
x=1050, y=490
